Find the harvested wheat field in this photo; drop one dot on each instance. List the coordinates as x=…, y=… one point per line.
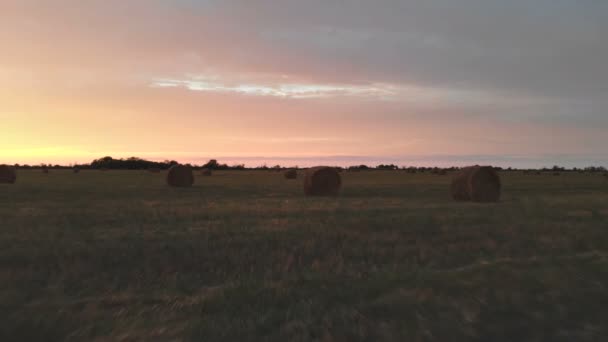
x=245, y=256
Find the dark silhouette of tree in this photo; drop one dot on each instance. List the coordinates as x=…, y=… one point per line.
x=211, y=164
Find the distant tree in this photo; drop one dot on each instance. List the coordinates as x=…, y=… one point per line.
x=359, y=167
x=238, y=167
x=211, y=164
x=387, y=167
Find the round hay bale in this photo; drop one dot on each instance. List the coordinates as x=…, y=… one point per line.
x=154, y=170
x=477, y=184
x=180, y=176
x=206, y=172
x=322, y=181
x=291, y=174
x=8, y=174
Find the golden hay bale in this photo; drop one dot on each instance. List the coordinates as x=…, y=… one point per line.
x=206, y=172
x=291, y=174
x=180, y=176
x=477, y=184
x=8, y=174
x=322, y=181
x=154, y=170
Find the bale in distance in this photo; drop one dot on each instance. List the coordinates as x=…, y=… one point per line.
x=322, y=181
x=206, y=172
x=291, y=174
x=180, y=176
x=476, y=184
x=76, y=170
x=8, y=174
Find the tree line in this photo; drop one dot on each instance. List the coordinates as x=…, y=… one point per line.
x=135, y=163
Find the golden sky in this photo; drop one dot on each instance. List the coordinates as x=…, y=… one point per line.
x=192, y=80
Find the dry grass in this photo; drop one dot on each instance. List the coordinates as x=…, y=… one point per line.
x=245, y=256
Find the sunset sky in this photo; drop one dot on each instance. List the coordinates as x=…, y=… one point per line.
x=446, y=82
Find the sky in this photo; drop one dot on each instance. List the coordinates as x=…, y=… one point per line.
x=435, y=82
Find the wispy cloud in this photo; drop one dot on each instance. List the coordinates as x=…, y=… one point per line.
x=283, y=90
x=286, y=87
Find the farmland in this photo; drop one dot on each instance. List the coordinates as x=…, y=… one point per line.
x=243, y=256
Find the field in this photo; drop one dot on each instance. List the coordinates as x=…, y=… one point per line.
x=244, y=256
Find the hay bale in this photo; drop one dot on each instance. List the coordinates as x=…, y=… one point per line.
x=477, y=184
x=76, y=170
x=206, y=172
x=291, y=174
x=322, y=181
x=154, y=170
x=8, y=174
x=180, y=176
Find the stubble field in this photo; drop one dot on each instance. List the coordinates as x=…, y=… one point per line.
x=244, y=256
